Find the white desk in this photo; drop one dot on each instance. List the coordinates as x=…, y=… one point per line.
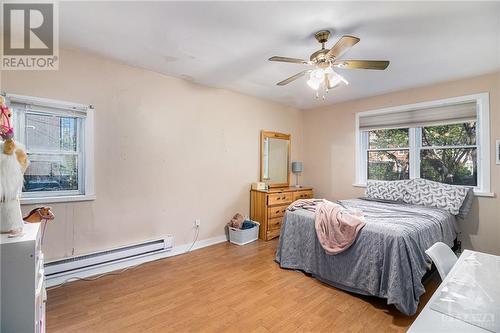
x=430, y=320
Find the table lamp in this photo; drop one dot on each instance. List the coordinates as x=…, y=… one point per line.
x=297, y=169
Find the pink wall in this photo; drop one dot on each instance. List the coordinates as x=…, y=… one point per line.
x=167, y=151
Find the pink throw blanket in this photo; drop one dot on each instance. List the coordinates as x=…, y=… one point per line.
x=336, y=226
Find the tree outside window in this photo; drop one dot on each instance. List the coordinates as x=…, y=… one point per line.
x=449, y=154
x=388, y=154
x=446, y=153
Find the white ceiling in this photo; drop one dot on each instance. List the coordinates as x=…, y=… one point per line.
x=227, y=44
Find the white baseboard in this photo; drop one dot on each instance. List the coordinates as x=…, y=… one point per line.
x=122, y=264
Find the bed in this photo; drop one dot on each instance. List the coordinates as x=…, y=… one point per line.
x=387, y=258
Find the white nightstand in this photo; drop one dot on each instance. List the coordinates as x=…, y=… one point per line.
x=22, y=295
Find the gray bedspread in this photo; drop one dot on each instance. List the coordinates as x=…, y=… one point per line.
x=386, y=260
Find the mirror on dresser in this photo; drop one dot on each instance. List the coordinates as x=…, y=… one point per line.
x=268, y=206
x=275, y=159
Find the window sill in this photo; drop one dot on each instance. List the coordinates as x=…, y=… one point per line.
x=477, y=193
x=484, y=194
x=45, y=200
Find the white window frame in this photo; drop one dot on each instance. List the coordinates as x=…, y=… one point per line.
x=482, y=101
x=86, y=182
x=365, y=144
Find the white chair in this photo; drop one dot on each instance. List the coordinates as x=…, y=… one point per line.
x=443, y=257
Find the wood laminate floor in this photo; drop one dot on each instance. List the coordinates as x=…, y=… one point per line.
x=222, y=288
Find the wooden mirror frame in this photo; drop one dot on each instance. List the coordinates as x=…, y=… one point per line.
x=277, y=135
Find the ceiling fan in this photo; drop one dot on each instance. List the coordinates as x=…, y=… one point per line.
x=325, y=60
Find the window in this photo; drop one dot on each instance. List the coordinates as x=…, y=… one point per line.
x=57, y=138
x=388, y=154
x=439, y=141
x=448, y=154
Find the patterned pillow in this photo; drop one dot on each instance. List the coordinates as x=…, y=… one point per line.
x=466, y=205
x=385, y=190
x=433, y=194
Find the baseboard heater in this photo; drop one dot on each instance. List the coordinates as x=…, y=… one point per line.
x=93, y=260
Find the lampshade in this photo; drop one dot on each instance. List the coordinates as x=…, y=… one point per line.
x=333, y=80
x=317, y=74
x=297, y=167
x=314, y=83
x=317, y=78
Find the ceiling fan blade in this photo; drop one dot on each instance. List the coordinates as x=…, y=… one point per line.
x=342, y=46
x=293, y=78
x=286, y=59
x=362, y=64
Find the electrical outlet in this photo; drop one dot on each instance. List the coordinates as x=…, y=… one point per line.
x=169, y=242
x=197, y=223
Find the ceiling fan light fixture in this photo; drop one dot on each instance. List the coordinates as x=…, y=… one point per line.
x=317, y=74
x=332, y=85
x=317, y=78
x=322, y=76
x=314, y=83
x=333, y=80
x=337, y=78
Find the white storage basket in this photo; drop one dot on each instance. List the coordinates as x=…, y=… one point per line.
x=242, y=237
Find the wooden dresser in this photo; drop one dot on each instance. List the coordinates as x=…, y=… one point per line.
x=268, y=207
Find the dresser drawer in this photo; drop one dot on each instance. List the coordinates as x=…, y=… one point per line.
x=302, y=195
x=273, y=233
x=279, y=199
x=273, y=224
x=276, y=211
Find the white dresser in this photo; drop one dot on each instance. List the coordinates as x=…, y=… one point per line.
x=22, y=293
